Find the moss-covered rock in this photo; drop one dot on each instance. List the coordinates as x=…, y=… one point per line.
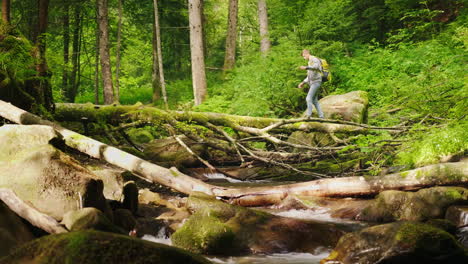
x=398, y=243
x=42, y=175
x=89, y=218
x=13, y=232
x=415, y=206
x=220, y=228
x=140, y=135
x=167, y=152
x=98, y=247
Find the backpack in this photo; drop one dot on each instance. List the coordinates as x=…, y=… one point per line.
x=326, y=75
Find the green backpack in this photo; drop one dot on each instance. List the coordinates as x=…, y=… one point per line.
x=326, y=75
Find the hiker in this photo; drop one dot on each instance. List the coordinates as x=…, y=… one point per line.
x=314, y=80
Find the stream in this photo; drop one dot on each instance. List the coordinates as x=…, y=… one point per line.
x=319, y=215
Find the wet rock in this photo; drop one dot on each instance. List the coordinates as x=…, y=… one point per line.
x=415, y=206
x=42, y=175
x=130, y=197
x=220, y=228
x=167, y=152
x=89, y=247
x=13, y=232
x=458, y=215
x=124, y=219
x=351, y=106
x=398, y=243
x=89, y=218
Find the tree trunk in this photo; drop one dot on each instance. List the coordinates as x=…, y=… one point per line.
x=117, y=55
x=104, y=51
x=196, y=51
x=43, y=88
x=159, y=53
x=96, y=62
x=438, y=174
x=29, y=213
x=230, y=56
x=6, y=11
x=155, y=73
x=73, y=87
x=263, y=23
x=66, y=49
x=128, y=113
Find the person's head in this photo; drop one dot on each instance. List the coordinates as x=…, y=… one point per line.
x=305, y=54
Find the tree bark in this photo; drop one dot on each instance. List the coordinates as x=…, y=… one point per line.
x=43, y=87
x=103, y=22
x=73, y=87
x=155, y=73
x=159, y=53
x=263, y=24
x=66, y=48
x=196, y=51
x=96, y=62
x=129, y=113
x=230, y=56
x=6, y=11
x=117, y=55
x=438, y=174
x=30, y=214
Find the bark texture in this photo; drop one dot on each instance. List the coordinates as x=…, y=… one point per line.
x=263, y=24
x=6, y=11
x=104, y=54
x=196, y=51
x=159, y=53
x=230, y=56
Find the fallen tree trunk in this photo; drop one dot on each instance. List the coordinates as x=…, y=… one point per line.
x=30, y=214
x=439, y=174
x=127, y=113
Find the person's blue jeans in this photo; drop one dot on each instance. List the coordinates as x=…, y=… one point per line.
x=312, y=99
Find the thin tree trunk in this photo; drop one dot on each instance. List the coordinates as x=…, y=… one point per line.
x=75, y=54
x=44, y=90
x=117, y=55
x=155, y=73
x=104, y=51
x=6, y=11
x=263, y=23
x=437, y=174
x=196, y=50
x=66, y=49
x=159, y=53
x=230, y=56
x=96, y=62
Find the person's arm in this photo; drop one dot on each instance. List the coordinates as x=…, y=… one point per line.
x=306, y=80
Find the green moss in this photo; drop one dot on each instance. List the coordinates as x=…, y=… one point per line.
x=98, y=247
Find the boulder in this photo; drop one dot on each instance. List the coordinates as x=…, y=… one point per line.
x=414, y=206
x=458, y=215
x=13, y=232
x=167, y=152
x=223, y=229
x=350, y=106
x=89, y=247
x=89, y=218
x=398, y=243
x=112, y=179
x=42, y=175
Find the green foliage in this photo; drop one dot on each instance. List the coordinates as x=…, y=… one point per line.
x=431, y=147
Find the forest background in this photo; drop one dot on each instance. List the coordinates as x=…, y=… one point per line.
x=409, y=55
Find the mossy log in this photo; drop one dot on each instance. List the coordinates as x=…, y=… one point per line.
x=116, y=114
x=438, y=174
